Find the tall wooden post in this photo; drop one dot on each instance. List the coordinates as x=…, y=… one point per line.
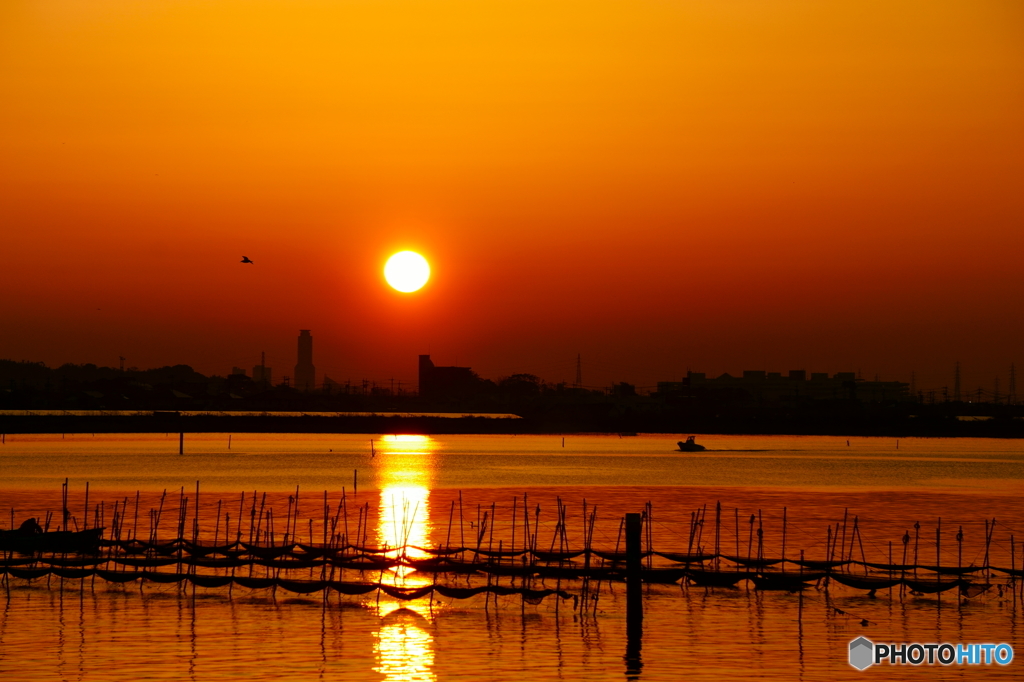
x=634, y=595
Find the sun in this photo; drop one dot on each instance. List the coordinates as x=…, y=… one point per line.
x=407, y=271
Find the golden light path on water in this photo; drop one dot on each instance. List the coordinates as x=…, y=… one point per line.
x=403, y=648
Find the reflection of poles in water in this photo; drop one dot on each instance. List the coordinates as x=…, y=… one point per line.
x=800, y=629
x=1013, y=567
x=634, y=595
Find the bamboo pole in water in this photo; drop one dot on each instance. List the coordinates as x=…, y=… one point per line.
x=990, y=529
x=750, y=538
x=842, y=544
x=718, y=532
x=366, y=523
x=692, y=534
x=259, y=518
x=327, y=513
x=960, y=546
x=917, y=538
x=782, y=566
x=515, y=521
x=343, y=506
x=64, y=503
x=1013, y=564
x=135, y=523
x=860, y=542
x=241, y=509
x=216, y=528
x=737, y=512
x=490, y=539
x=295, y=522
x=890, y=567
x=451, y=518
x=828, y=550
x=701, y=515
x=288, y=518
x=760, y=536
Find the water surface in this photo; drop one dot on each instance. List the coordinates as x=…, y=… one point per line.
x=437, y=490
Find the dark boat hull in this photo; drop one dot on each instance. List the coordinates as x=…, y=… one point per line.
x=56, y=542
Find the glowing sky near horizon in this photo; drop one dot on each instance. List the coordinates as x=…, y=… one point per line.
x=657, y=186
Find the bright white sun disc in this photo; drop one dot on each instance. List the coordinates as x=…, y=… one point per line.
x=407, y=271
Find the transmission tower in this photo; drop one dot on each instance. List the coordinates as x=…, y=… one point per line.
x=956, y=383
x=1012, y=397
x=579, y=373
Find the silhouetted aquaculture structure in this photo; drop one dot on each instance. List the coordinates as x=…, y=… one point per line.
x=245, y=544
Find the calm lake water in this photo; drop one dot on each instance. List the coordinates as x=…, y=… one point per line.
x=432, y=491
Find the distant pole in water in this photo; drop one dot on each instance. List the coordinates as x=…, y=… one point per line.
x=181, y=443
x=897, y=443
x=563, y=441
x=229, y=441
x=355, y=480
x=373, y=453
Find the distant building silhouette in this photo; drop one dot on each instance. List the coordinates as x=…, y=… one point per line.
x=305, y=372
x=261, y=374
x=446, y=381
x=238, y=370
x=332, y=386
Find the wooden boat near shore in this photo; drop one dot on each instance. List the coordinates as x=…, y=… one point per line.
x=55, y=542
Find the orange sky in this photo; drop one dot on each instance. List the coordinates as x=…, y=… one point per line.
x=656, y=185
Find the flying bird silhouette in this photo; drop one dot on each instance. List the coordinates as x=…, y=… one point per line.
x=245, y=259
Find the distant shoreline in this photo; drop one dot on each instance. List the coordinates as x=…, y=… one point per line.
x=482, y=423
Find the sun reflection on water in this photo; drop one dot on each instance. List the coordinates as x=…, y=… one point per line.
x=403, y=647
x=404, y=473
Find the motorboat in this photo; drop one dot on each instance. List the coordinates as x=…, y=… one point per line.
x=690, y=445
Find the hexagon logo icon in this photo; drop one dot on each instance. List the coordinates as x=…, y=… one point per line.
x=861, y=653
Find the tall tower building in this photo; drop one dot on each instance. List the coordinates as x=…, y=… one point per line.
x=305, y=372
